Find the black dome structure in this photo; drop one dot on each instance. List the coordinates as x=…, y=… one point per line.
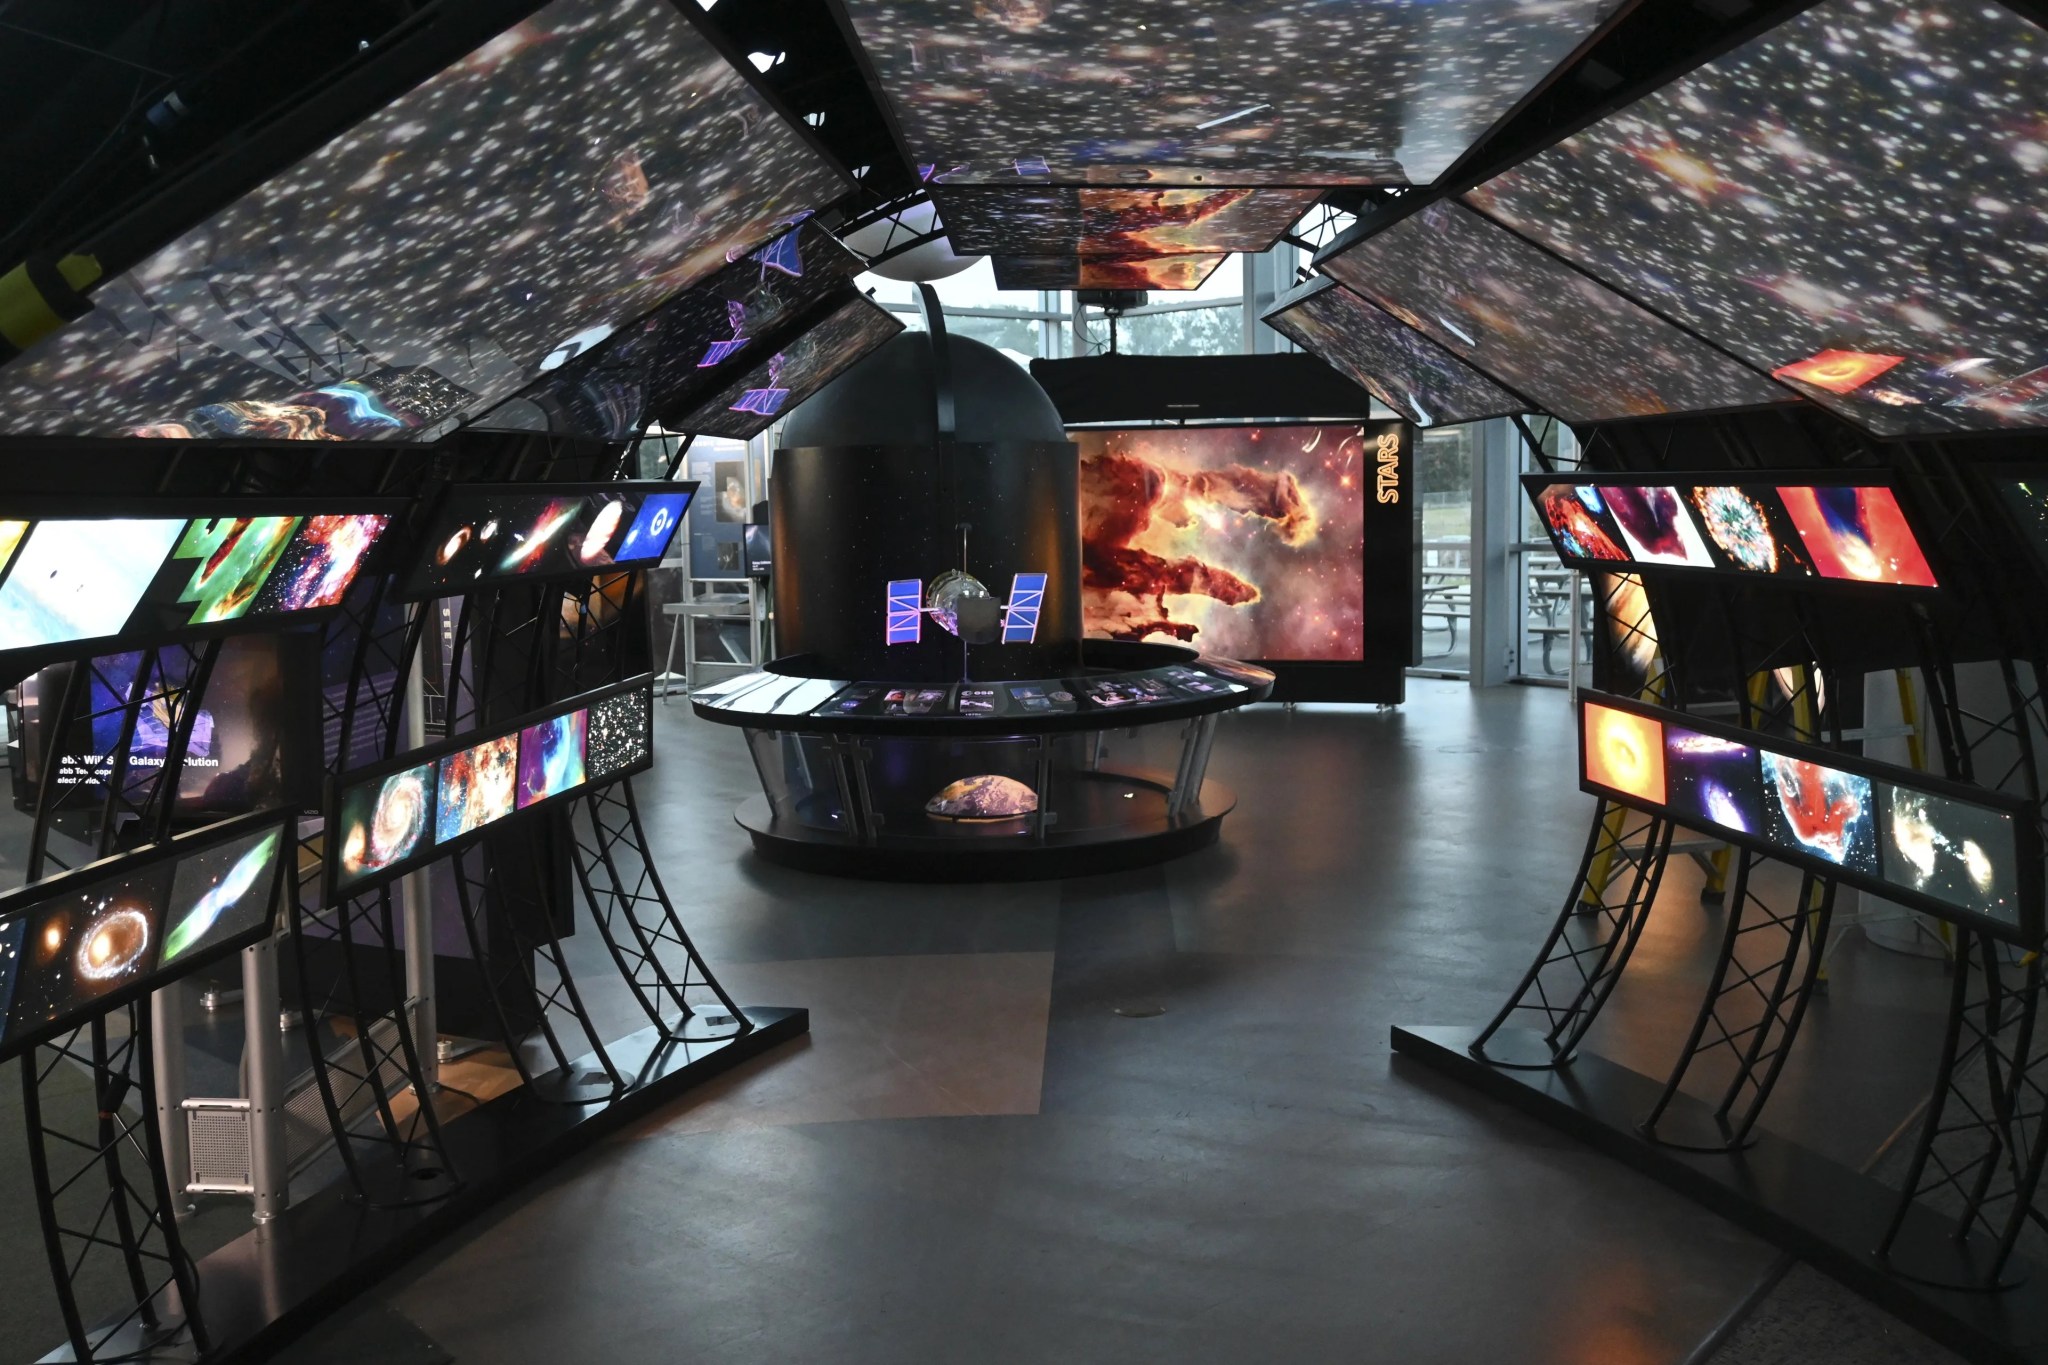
x=891, y=398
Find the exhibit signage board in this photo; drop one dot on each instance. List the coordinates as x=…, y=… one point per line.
x=1955, y=851
x=485, y=535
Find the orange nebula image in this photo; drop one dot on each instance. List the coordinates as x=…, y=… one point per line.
x=1624, y=752
x=1858, y=534
x=1838, y=371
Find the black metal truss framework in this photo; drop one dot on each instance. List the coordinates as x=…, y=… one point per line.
x=102, y=1195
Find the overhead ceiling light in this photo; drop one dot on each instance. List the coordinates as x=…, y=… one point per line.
x=816, y=120
x=763, y=60
x=860, y=172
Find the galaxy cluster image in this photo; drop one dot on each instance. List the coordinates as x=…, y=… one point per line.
x=1748, y=527
x=1958, y=853
x=1858, y=534
x=79, y=580
x=1288, y=92
x=1655, y=526
x=220, y=893
x=551, y=757
x=88, y=943
x=1820, y=811
x=1856, y=201
x=385, y=822
x=1624, y=752
x=802, y=367
x=1579, y=522
x=487, y=533
x=1105, y=272
x=1395, y=363
x=1713, y=782
x=618, y=734
x=1053, y=220
x=556, y=183
x=476, y=786
x=1575, y=347
x=1246, y=541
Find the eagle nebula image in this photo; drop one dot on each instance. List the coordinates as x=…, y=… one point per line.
x=220, y=893
x=1580, y=522
x=1656, y=526
x=1713, y=781
x=1247, y=541
x=1859, y=534
x=1820, y=811
x=477, y=786
x=1955, y=852
x=1746, y=526
x=385, y=822
x=551, y=757
x=1624, y=752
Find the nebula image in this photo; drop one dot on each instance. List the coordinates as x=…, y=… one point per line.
x=1951, y=851
x=221, y=893
x=1859, y=534
x=78, y=580
x=1389, y=359
x=617, y=735
x=529, y=548
x=834, y=342
x=1837, y=371
x=986, y=797
x=1624, y=752
x=476, y=786
x=1184, y=271
x=1248, y=541
x=1713, y=782
x=1656, y=526
x=386, y=821
x=551, y=757
x=1580, y=523
x=1863, y=179
x=654, y=526
x=236, y=555
x=1048, y=221
x=321, y=562
x=1745, y=525
x=88, y=942
x=597, y=538
x=451, y=237
x=1820, y=811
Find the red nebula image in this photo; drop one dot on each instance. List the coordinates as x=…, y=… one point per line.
x=1246, y=540
x=1625, y=752
x=1838, y=371
x=1859, y=534
x=1145, y=272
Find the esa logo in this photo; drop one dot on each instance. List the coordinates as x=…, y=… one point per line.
x=1389, y=482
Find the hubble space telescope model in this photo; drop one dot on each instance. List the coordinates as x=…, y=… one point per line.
x=961, y=604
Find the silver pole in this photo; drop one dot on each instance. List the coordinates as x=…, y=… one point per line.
x=417, y=908
x=264, y=1043
x=167, y=1055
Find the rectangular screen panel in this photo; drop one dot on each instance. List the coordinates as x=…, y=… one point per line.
x=1854, y=201
x=753, y=402
x=475, y=787
x=905, y=611
x=1288, y=92
x=1857, y=535
x=1397, y=364
x=551, y=757
x=430, y=261
x=1105, y=272
x=80, y=580
x=1582, y=351
x=222, y=894
x=385, y=822
x=1051, y=220
x=484, y=534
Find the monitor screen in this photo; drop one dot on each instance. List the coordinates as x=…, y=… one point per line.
x=1564, y=341
x=386, y=821
x=88, y=943
x=1624, y=752
x=476, y=786
x=1853, y=201
x=1052, y=220
x=1105, y=272
x=753, y=402
x=1952, y=851
x=485, y=534
x=620, y=734
x=80, y=580
x=760, y=548
x=1713, y=783
x=553, y=185
x=1820, y=811
x=2026, y=495
x=1285, y=92
x=1395, y=363
x=221, y=894
x=1749, y=529
x=1857, y=534
x=1246, y=541
x=551, y=757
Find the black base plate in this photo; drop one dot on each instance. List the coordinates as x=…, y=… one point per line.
x=1818, y=1210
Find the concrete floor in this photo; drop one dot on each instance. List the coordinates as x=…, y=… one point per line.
x=976, y=1157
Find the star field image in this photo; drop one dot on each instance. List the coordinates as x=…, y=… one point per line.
x=1284, y=92
x=1051, y=220
x=1397, y=364
x=806, y=365
x=618, y=735
x=1862, y=192
x=2028, y=499
x=1244, y=541
x=1104, y=272
x=1580, y=350
x=567, y=176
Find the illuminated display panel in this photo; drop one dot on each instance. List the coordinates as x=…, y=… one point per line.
x=1247, y=542
x=396, y=816
x=753, y=402
x=484, y=534
x=1857, y=534
x=1284, y=92
x=1105, y=272
x=1854, y=201
x=1954, y=851
x=1395, y=363
x=1564, y=341
x=86, y=941
x=1052, y=220
x=1656, y=526
x=559, y=181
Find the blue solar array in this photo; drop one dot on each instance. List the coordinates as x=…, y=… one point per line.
x=1027, y=595
x=906, y=615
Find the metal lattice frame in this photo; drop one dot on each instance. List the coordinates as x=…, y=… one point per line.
x=102, y=1194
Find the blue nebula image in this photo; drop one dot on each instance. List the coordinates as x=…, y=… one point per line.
x=653, y=527
x=551, y=757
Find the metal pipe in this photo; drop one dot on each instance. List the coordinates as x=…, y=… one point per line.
x=416, y=908
x=167, y=1051
x=264, y=1052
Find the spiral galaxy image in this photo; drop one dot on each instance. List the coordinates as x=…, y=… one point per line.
x=387, y=821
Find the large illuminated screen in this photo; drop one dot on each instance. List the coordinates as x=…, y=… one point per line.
x=1576, y=348
x=1749, y=527
x=1105, y=272
x=1395, y=363
x=476, y=787
x=221, y=894
x=1656, y=526
x=551, y=757
x=1820, y=811
x=556, y=183
x=1580, y=522
x=2026, y=494
x=1246, y=541
x=1953, y=851
x=1281, y=92
x=1624, y=752
x=494, y=533
x=751, y=403
x=1713, y=783
x=1858, y=534
x=386, y=822
x=78, y=580
x=1855, y=201
x=1051, y=220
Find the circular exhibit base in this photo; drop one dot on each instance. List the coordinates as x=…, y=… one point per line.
x=1006, y=850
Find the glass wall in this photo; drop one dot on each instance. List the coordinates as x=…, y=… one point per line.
x=1444, y=589
x=1553, y=608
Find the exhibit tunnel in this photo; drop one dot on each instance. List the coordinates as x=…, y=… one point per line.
x=898, y=681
